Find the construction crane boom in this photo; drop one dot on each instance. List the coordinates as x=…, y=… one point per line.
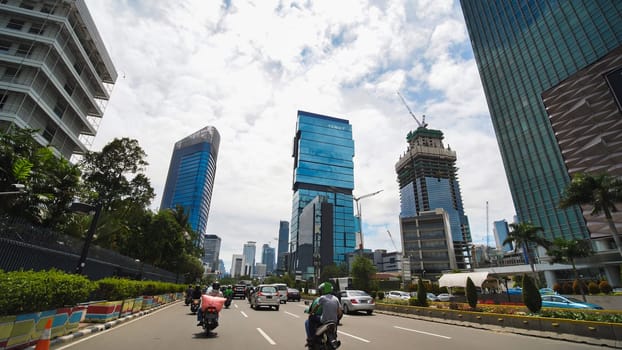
x=392, y=241
x=421, y=124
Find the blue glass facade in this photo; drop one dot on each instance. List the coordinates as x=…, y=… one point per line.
x=522, y=49
x=283, y=245
x=191, y=175
x=323, y=171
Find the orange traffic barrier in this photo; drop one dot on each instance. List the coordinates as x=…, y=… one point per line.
x=44, y=341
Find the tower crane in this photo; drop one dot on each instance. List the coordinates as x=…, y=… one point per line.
x=392, y=241
x=421, y=124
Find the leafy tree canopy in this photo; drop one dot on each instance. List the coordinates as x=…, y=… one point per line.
x=362, y=272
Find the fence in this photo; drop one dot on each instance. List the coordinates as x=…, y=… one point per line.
x=31, y=248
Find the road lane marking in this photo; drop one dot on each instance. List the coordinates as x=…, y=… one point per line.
x=236, y=305
x=354, y=336
x=244, y=314
x=266, y=336
x=422, y=332
x=291, y=314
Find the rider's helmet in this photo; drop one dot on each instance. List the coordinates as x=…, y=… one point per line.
x=216, y=286
x=325, y=288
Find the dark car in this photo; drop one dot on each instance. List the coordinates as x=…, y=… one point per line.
x=239, y=291
x=293, y=294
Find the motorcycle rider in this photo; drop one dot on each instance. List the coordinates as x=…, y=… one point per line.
x=215, y=292
x=189, y=294
x=228, y=294
x=324, y=309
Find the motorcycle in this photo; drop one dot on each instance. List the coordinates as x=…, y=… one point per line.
x=210, y=319
x=325, y=337
x=188, y=300
x=194, y=307
x=228, y=302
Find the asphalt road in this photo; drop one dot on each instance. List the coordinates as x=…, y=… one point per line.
x=241, y=327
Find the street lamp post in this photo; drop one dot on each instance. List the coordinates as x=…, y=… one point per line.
x=86, y=208
x=358, y=213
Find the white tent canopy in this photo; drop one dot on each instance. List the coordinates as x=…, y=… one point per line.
x=460, y=279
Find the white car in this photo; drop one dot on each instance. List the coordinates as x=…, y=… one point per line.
x=396, y=294
x=445, y=297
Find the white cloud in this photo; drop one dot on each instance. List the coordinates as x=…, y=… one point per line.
x=248, y=68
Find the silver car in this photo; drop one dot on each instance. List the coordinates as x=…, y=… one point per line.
x=265, y=295
x=356, y=300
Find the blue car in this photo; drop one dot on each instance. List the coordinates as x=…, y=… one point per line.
x=515, y=291
x=567, y=302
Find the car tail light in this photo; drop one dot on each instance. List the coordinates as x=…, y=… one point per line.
x=277, y=294
x=372, y=301
x=354, y=301
x=259, y=294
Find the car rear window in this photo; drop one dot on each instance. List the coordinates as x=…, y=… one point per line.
x=268, y=289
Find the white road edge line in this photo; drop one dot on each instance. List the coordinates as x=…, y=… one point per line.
x=291, y=314
x=354, y=336
x=422, y=332
x=92, y=335
x=266, y=336
x=244, y=314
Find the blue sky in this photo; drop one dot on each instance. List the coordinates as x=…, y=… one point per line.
x=246, y=67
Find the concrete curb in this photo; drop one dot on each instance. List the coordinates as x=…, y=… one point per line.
x=87, y=328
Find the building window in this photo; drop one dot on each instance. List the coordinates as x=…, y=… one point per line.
x=3, y=99
x=48, y=8
x=78, y=66
x=60, y=108
x=69, y=88
x=10, y=73
x=27, y=5
x=15, y=24
x=24, y=50
x=48, y=133
x=36, y=28
x=614, y=79
x=5, y=45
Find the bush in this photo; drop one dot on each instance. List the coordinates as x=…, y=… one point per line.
x=373, y=294
x=30, y=291
x=577, y=286
x=414, y=302
x=593, y=288
x=567, y=288
x=471, y=293
x=422, y=297
x=531, y=295
x=380, y=295
x=605, y=287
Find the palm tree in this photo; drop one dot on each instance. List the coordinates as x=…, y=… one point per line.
x=601, y=192
x=523, y=235
x=566, y=251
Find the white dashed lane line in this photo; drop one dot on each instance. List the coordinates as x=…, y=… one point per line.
x=266, y=336
x=422, y=332
x=354, y=336
x=244, y=314
x=291, y=314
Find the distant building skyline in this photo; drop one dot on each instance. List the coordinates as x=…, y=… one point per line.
x=283, y=245
x=211, y=251
x=268, y=257
x=249, y=251
x=191, y=174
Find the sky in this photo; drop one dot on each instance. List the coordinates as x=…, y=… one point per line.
x=247, y=67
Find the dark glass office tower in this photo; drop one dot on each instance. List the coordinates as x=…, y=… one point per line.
x=323, y=180
x=428, y=181
x=191, y=176
x=283, y=245
x=523, y=49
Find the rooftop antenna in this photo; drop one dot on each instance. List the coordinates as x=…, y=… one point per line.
x=421, y=124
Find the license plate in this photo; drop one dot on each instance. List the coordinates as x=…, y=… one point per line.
x=269, y=297
x=211, y=316
x=364, y=301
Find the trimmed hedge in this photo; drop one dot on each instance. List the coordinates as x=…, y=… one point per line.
x=30, y=291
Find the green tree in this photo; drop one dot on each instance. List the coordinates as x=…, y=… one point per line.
x=471, y=293
x=50, y=182
x=601, y=192
x=524, y=235
x=331, y=271
x=115, y=174
x=363, y=271
x=531, y=295
x=567, y=251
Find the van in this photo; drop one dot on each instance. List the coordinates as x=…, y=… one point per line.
x=282, y=289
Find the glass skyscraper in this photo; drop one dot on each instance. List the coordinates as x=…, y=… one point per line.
x=323, y=180
x=283, y=245
x=428, y=181
x=211, y=252
x=523, y=49
x=191, y=174
x=267, y=257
